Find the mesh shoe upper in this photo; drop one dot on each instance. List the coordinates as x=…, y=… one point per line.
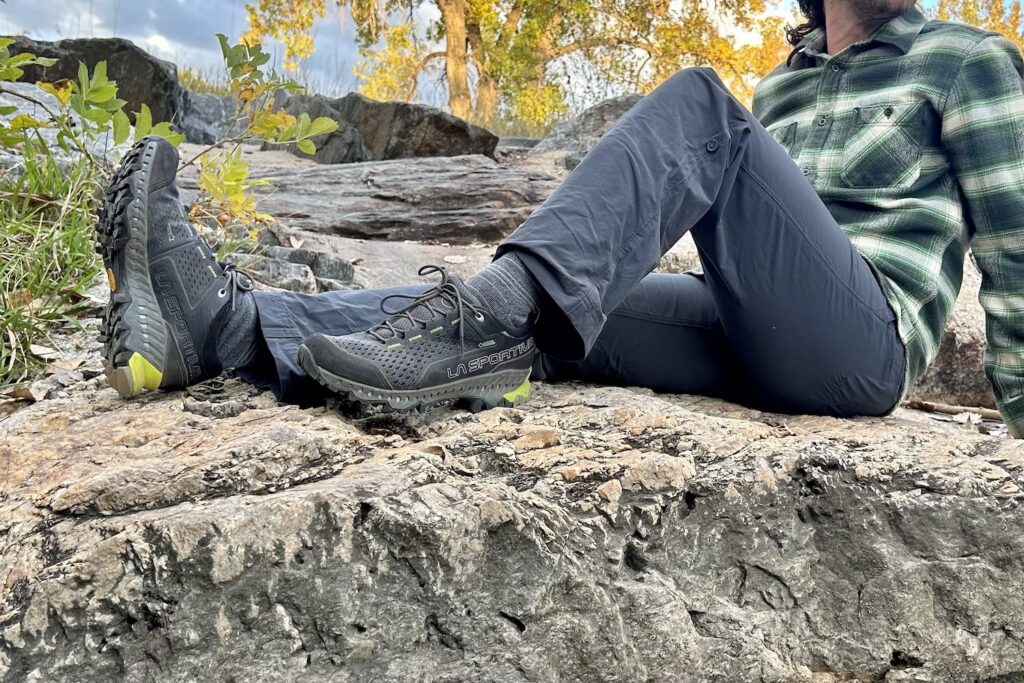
x=439, y=337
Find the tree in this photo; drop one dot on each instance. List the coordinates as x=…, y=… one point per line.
x=506, y=48
x=994, y=15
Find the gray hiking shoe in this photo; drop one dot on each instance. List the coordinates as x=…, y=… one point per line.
x=168, y=294
x=443, y=346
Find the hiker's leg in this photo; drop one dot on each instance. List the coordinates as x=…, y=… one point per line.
x=285, y=319
x=799, y=305
x=665, y=336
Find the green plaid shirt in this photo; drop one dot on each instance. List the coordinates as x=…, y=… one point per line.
x=914, y=140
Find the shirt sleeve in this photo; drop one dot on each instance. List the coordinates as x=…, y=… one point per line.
x=983, y=134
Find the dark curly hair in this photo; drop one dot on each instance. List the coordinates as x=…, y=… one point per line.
x=814, y=10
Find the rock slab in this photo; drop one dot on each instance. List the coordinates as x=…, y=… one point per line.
x=458, y=200
x=593, y=534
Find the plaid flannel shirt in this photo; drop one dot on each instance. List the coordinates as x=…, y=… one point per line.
x=914, y=140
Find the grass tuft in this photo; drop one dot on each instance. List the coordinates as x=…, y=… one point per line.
x=47, y=256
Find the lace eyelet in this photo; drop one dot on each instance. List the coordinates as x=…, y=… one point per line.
x=222, y=293
x=479, y=317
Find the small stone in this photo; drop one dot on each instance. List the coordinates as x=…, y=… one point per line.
x=610, y=491
x=570, y=473
x=537, y=438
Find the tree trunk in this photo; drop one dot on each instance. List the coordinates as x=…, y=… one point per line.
x=486, y=83
x=453, y=16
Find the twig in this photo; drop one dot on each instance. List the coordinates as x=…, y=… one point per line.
x=945, y=409
x=56, y=119
x=216, y=145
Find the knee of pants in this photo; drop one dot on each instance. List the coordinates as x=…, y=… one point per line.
x=685, y=80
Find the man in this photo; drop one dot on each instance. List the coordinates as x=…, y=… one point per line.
x=826, y=283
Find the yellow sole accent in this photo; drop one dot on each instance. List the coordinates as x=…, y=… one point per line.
x=520, y=392
x=144, y=374
x=111, y=280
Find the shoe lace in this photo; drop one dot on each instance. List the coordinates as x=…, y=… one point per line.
x=238, y=281
x=444, y=292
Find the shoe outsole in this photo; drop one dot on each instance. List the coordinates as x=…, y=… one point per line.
x=133, y=333
x=498, y=389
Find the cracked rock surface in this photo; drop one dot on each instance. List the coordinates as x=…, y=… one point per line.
x=594, y=534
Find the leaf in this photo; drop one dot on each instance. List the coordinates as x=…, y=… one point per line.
x=225, y=47
x=322, y=126
x=143, y=123
x=62, y=90
x=7, y=111
x=43, y=351
x=306, y=146
x=122, y=127
x=98, y=116
x=165, y=131
x=99, y=75
x=83, y=76
x=101, y=93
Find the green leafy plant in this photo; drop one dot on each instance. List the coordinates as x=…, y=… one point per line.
x=48, y=203
x=227, y=200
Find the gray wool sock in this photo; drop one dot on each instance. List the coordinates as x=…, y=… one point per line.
x=507, y=289
x=238, y=337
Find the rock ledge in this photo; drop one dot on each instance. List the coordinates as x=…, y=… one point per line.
x=596, y=534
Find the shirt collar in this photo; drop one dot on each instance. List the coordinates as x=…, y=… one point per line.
x=900, y=32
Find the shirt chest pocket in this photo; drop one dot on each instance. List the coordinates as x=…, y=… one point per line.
x=786, y=135
x=883, y=146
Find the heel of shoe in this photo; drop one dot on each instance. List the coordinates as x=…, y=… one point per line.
x=132, y=379
x=494, y=399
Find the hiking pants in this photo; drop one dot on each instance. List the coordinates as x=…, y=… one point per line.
x=787, y=316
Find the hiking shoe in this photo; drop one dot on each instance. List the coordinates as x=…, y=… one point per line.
x=442, y=346
x=168, y=294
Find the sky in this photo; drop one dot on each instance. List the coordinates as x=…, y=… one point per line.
x=181, y=31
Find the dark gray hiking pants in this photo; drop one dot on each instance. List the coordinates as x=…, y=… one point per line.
x=787, y=317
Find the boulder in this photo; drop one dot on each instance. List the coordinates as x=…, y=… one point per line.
x=343, y=146
x=572, y=140
x=206, y=118
x=590, y=535
x=141, y=78
x=372, y=130
x=458, y=200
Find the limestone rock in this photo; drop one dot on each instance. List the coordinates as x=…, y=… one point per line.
x=141, y=78
x=179, y=534
x=458, y=200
